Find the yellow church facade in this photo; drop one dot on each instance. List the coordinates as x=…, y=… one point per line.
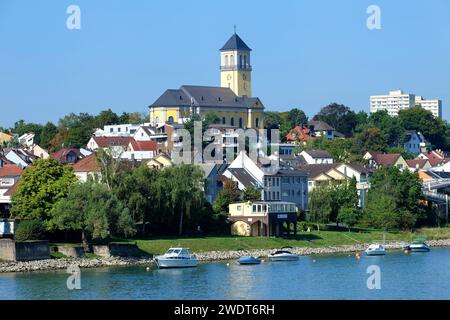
x=231, y=102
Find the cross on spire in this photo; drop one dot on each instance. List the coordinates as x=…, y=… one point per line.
x=234, y=29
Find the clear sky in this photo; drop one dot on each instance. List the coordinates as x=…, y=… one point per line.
x=306, y=54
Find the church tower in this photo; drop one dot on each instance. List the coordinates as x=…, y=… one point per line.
x=235, y=68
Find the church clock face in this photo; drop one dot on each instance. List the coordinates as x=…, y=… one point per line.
x=229, y=77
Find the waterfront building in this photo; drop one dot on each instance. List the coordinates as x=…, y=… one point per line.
x=232, y=101
x=399, y=100
x=263, y=219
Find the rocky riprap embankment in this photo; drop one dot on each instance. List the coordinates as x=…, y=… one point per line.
x=231, y=255
x=53, y=264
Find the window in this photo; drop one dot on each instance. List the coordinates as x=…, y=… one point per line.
x=111, y=129
x=254, y=208
x=224, y=120
x=157, y=119
x=170, y=119
x=245, y=61
x=257, y=122
x=119, y=129
x=239, y=208
x=232, y=121
x=240, y=122
x=227, y=62
x=232, y=60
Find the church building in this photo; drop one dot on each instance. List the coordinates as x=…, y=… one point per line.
x=232, y=101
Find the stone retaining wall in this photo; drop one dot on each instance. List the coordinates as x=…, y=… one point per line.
x=11, y=250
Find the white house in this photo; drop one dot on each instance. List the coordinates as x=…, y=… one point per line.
x=316, y=157
x=27, y=139
x=20, y=157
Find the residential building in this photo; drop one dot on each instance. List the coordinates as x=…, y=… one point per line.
x=316, y=156
x=433, y=105
x=399, y=100
x=119, y=144
x=120, y=130
x=68, y=155
x=387, y=160
x=27, y=140
x=263, y=219
x=232, y=101
x=213, y=185
x=159, y=162
x=9, y=176
x=39, y=152
x=418, y=164
x=416, y=142
x=436, y=157
x=392, y=103
x=5, y=138
x=280, y=184
x=299, y=135
x=322, y=174
x=87, y=167
x=19, y=156
x=321, y=129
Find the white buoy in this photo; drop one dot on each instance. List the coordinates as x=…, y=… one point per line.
x=147, y=269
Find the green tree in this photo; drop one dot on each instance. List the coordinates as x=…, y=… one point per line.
x=421, y=120
x=40, y=188
x=105, y=117
x=371, y=139
x=381, y=212
x=49, y=131
x=297, y=117
x=92, y=209
x=339, y=117
x=229, y=194
x=349, y=216
x=251, y=194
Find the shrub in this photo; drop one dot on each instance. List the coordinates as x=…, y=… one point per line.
x=29, y=230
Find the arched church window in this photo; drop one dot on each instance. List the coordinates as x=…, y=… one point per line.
x=257, y=122
x=224, y=120
x=232, y=121
x=240, y=61
x=227, y=62
x=170, y=119
x=157, y=120
x=232, y=60
x=240, y=122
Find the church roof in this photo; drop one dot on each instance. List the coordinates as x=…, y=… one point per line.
x=204, y=96
x=235, y=43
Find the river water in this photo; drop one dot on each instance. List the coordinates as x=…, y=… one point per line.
x=413, y=276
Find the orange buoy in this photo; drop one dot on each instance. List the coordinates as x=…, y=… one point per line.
x=358, y=255
x=406, y=251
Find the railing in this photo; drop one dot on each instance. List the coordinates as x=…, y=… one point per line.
x=436, y=184
x=436, y=196
x=235, y=67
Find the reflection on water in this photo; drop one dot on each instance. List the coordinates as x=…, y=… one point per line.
x=414, y=276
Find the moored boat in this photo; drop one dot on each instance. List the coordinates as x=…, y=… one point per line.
x=418, y=245
x=249, y=260
x=176, y=258
x=283, y=255
x=375, y=250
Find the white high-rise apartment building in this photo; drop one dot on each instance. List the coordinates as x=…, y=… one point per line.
x=399, y=100
x=434, y=106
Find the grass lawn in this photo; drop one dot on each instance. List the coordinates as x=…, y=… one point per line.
x=313, y=239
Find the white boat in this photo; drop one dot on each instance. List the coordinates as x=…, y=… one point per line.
x=375, y=250
x=176, y=258
x=283, y=255
x=418, y=245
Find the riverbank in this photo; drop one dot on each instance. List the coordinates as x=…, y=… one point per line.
x=207, y=256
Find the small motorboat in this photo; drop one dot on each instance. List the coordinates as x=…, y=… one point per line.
x=376, y=250
x=176, y=258
x=283, y=255
x=249, y=260
x=418, y=245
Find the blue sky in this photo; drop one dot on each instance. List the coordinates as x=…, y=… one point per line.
x=306, y=54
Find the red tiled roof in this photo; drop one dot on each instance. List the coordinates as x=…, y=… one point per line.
x=299, y=134
x=144, y=145
x=416, y=163
x=11, y=190
x=88, y=164
x=10, y=170
x=386, y=159
x=105, y=142
x=61, y=155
